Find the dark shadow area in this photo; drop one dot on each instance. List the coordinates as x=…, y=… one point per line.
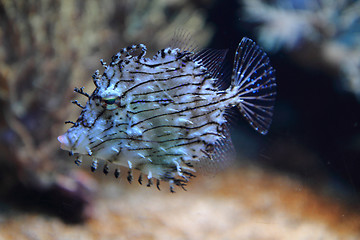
x=315, y=131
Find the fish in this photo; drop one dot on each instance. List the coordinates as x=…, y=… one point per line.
x=165, y=116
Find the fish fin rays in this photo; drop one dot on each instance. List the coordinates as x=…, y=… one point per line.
x=212, y=60
x=254, y=79
x=220, y=158
x=183, y=40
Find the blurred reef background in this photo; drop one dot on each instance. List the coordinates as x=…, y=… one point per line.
x=301, y=181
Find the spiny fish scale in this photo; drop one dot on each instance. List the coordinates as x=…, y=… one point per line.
x=165, y=114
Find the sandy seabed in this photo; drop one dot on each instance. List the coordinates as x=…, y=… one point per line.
x=242, y=203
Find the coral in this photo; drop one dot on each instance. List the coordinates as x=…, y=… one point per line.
x=48, y=48
x=323, y=32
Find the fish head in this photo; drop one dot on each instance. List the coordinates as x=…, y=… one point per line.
x=98, y=129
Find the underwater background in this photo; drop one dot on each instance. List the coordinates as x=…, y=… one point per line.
x=300, y=181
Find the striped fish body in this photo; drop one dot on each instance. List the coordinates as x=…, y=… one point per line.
x=165, y=114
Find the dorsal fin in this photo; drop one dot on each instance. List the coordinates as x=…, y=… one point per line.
x=212, y=59
x=183, y=40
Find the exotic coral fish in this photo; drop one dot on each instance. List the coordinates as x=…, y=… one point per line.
x=165, y=115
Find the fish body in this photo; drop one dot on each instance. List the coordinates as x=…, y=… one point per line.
x=165, y=115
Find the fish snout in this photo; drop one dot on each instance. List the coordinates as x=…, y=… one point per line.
x=64, y=141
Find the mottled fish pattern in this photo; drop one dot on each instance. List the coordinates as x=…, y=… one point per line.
x=165, y=116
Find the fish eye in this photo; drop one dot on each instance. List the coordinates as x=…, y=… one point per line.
x=110, y=103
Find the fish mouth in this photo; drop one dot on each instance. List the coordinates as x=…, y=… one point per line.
x=64, y=142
